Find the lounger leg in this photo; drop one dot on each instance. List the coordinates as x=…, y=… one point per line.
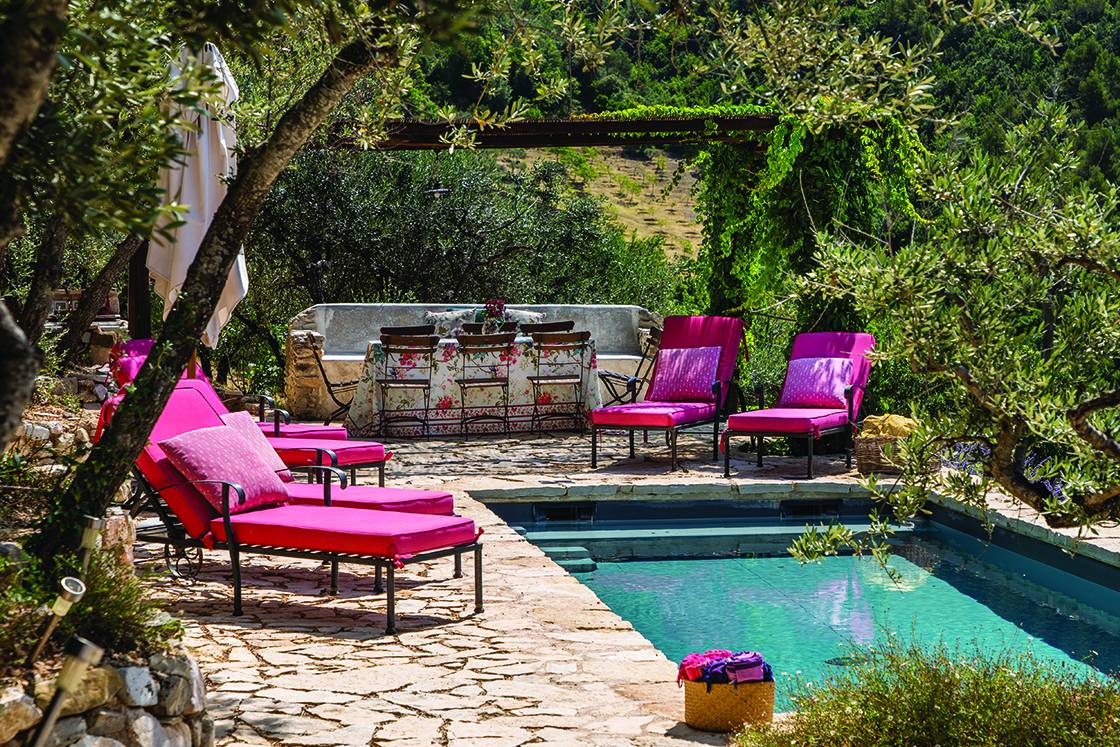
x=715, y=441
x=727, y=458
x=377, y=587
x=235, y=560
x=672, y=436
x=478, y=579
x=391, y=600
x=631, y=443
x=810, y=457
x=458, y=565
x=381, y=475
x=759, y=451
x=594, y=446
x=334, y=576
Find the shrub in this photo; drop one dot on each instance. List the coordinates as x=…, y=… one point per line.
x=914, y=694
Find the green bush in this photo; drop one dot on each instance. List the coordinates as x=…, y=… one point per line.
x=921, y=695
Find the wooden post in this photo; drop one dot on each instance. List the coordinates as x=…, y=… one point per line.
x=139, y=298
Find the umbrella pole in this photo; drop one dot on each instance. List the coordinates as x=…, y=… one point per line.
x=193, y=364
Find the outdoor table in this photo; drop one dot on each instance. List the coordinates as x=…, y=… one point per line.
x=364, y=418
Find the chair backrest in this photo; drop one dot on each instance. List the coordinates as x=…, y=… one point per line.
x=559, y=353
x=704, y=332
x=486, y=353
x=854, y=345
x=476, y=328
x=416, y=330
x=407, y=357
x=530, y=328
x=560, y=340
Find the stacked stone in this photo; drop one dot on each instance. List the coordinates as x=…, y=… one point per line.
x=306, y=394
x=162, y=704
x=62, y=434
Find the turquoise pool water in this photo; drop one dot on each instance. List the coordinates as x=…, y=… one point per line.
x=802, y=617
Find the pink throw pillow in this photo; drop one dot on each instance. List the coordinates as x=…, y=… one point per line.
x=685, y=374
x=247, y=427
x=220, y=453
x=816, y=382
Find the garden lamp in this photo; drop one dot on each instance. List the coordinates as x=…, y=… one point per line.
x=72, y=591
x=80, y=655
x=91, y=528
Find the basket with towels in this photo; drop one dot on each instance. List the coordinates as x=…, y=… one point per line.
x=725, y=690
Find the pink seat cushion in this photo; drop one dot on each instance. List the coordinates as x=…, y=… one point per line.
x=685, y=374
x=221, y=453
x=302, y=451
x=347, y=530
x=243, y=423
x=304, y=430
x=653, y=414
x=404, y=500
x=796, y=420
x=816, y=382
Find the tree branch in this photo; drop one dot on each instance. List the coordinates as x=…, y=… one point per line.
x=45, y=279
x=94, y=298
x=1079, y=420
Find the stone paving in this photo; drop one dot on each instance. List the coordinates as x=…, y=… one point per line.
x=545, y=664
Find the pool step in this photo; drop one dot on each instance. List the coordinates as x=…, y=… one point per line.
x=572, y=558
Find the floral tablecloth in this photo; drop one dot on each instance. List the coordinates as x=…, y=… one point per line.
x=444, y=417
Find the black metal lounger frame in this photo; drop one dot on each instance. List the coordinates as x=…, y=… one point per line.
x=173, y=534
x=670, y=431
x=758, y=436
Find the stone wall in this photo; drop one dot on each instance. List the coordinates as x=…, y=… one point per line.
x=158, y=703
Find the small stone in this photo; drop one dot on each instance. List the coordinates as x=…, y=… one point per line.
x=174, y=694
x=197, y=701
x=91, y=741
x=145, y=730
x=106, y=723
x=97, y=688
x=179, y=735
x=66, y=731
x=202, y=729
x=137, y=687
x=17, y=712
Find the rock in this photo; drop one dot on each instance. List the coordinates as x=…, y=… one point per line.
x=91, y=741
x=106, y=723
x=96, y=689
x=202, y=729
x=17, y=712
x=174, y=694
x=197, y=702
x=66, y=731
x=12, y=561
x=179, y=735
x=178, y=666
x=137, y=686
x=145, y=730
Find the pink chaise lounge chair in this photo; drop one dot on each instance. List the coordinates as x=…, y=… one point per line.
x=821, y=394
x=691, y=379
x=249, y=509
x=127, y=358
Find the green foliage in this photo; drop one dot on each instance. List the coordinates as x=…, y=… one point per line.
x=926, y=693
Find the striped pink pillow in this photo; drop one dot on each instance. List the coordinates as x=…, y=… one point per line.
x=220, y=453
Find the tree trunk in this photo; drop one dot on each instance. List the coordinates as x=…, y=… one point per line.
x=264, y=334
x=46, y=277
x=27, y=62
x=19, y=365
x=94, y=298
x=96, y=480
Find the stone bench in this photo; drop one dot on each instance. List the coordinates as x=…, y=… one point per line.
x=342, y=333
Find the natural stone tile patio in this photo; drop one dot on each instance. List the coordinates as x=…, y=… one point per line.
x=545, y=664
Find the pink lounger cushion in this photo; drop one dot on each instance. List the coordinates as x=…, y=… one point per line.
x=800, y=420
x=242, y=422
x=653, y=414
x=347, y=530
x=300, y=451
x=406, y=500
x=304, y=430
x=221, y=453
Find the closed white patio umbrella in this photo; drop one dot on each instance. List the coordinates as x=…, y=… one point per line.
x=198, y=186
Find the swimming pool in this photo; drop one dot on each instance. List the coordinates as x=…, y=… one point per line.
x=660, y=576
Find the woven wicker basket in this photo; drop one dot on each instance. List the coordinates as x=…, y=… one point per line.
x=870, y=457
x=727, y=708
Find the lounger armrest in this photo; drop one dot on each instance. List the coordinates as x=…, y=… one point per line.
x=328, y=471
x=263, y=402
x=614, y=376
x=849, y=394
x=225, y=490
x=277, y=415
x=319, y=452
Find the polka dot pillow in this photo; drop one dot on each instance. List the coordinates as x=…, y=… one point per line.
x=449, y=323
x=244, y=424
x=816, y=382
x=685, y=374
x=221, y=453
